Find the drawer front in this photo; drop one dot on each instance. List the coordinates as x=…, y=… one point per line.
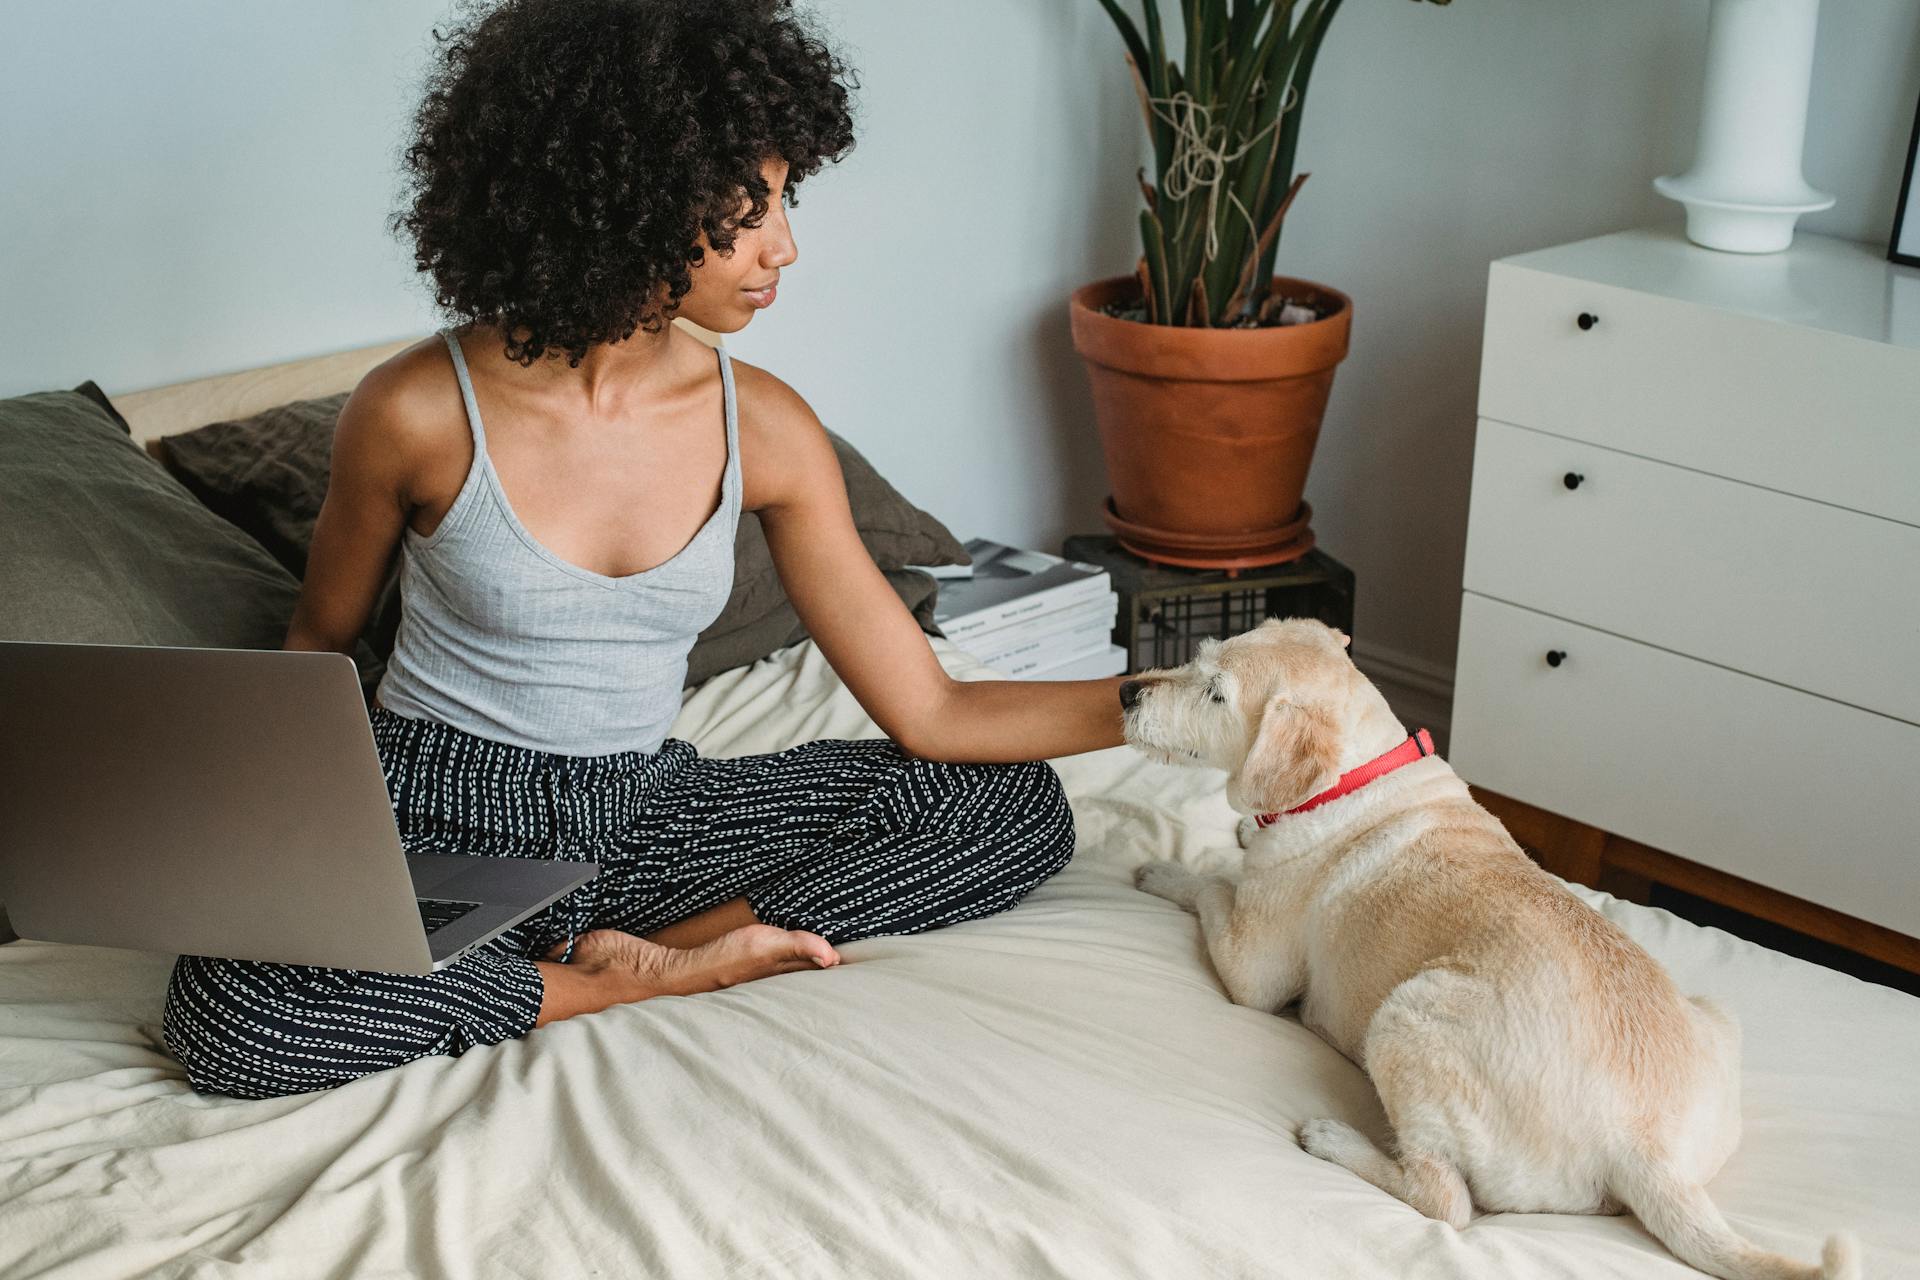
x=1804, y=411
x=1813, y=596
x=1798, y=793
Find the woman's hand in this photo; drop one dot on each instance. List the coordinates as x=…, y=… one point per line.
x=792, y=478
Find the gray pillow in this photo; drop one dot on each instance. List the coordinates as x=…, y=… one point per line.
x=268, y=475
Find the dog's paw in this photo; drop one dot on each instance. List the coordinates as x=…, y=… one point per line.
x=1167, y=880
x=1334, y=1140
x=1246, y=831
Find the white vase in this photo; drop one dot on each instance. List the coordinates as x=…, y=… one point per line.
x=1744, y=191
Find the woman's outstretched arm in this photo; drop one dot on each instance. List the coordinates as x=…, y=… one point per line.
x=793, y=480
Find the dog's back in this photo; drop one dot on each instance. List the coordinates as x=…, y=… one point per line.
x=1536, y=976
x=1522, y=1037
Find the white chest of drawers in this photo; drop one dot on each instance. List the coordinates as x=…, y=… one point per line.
x=1691, y=613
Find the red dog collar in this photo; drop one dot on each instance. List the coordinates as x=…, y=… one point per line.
x=1417, y=747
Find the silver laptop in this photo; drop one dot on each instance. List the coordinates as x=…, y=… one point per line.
x=226, y=802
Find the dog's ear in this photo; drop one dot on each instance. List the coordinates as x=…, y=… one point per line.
x=1295, y=756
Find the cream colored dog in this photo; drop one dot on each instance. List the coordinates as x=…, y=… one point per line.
x=1530, y=1056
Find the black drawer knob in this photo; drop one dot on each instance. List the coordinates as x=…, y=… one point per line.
x=1556, y=656
x=1572, y=479
x=1586, y=320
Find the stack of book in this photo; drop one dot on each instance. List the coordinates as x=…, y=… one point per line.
x=1030, y=615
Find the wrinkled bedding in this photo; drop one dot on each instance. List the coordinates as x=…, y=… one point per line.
x=1062, y=1090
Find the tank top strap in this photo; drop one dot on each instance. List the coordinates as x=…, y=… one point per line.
x=466, y=393
x=730, y=481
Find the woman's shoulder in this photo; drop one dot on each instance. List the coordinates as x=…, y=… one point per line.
x=412, y=390
x=770, y=410
x=783, y=445
x=408, y=413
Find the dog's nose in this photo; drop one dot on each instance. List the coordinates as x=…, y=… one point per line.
x=1129, y=694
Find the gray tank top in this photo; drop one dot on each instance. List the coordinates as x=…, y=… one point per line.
x=502, y=638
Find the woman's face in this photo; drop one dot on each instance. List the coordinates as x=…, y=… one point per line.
x=727, y=291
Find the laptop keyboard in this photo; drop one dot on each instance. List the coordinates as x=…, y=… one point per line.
x=438, y=913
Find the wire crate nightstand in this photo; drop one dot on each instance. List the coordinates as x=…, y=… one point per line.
x=1165, y=613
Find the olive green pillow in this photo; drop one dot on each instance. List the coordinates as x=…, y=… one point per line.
x=268, y=475
x=99, y=544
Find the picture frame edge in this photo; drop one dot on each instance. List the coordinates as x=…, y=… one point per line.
x=1906, y=204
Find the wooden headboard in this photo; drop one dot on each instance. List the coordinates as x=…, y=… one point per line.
x=182, y=406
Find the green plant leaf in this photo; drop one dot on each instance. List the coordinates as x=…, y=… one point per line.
x=1263, y=191
x=1248, y=94
x=1156, y=45
x=1194, y=23
x=1320, y=17
x=1238, y=97
x=1251, y=90
x=1152, y=239
x=1246, y=284
x=1216, y=51
x=1259, y=185
x=1129, y=33
x=1245, y=19
x=1240, y=298
x=1157, y=71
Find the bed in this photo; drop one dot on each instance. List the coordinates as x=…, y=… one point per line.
x=1063, y=1090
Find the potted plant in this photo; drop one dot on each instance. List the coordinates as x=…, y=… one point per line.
x=1210, y=374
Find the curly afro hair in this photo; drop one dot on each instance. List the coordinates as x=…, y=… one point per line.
x=569, y=155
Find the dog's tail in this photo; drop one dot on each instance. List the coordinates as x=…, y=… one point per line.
x=1681, y=1216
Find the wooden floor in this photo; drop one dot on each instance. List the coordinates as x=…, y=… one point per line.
x=1627, y=869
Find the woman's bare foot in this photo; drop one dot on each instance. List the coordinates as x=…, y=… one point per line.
x=741, y=955
x=609, y=967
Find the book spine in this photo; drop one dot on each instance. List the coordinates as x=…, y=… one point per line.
x=1065, y=648
x=1110, y=661
x=1026, y=607
x=1080, y=617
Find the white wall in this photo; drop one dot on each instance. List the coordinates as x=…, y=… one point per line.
x=198, y=186
x=191, y=188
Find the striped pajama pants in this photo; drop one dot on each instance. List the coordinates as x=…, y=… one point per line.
x=848, y=839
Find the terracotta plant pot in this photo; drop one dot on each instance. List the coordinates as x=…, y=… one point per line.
x=1208, y=433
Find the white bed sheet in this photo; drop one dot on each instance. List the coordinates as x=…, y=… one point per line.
x=1062, y=1090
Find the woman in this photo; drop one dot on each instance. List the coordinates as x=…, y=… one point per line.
x=561, y=475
